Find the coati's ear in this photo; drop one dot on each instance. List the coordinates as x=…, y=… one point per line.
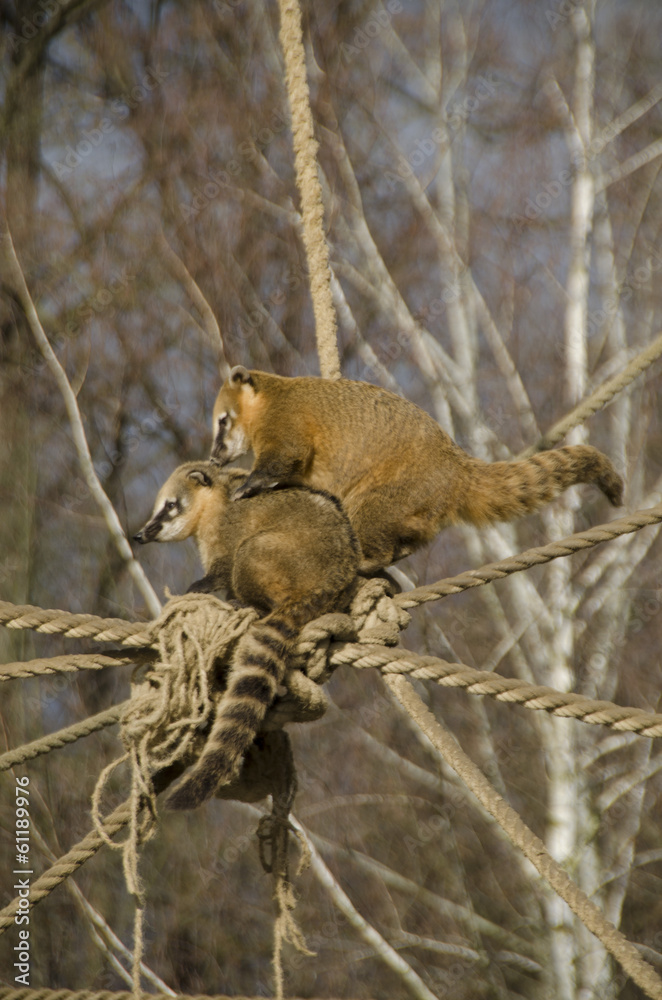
x=198, y=476
x=241, y=376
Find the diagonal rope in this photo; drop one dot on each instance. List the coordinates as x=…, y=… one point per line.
x=602, y=396
x=536, y=697
x=310, y=190
x=532, y=847
x=531, y=557
x=133, y=633
x=67, y=864
x=82, y=852
x=53, y=741
x=7, y=993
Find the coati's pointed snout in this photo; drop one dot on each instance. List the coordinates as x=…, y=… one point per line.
x=149, y=532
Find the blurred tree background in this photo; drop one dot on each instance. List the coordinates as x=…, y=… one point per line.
x=494, y=211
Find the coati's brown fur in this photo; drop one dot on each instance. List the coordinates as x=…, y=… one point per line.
x=291, y=554
x=399, y=476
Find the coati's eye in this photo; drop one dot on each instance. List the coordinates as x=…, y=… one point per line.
x=171, y=505
x=222, y=420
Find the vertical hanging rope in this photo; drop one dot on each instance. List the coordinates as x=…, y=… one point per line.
x=312, y=210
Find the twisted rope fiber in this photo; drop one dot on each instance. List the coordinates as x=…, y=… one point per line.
x=69, y=663
x=67, y=864
x=373, y=613
x=7, y=993
x=53, y=741
x=531, y=846
x=163, y=726
x=531, y=557
x=74, y=626
x=23, y=616
x=81, y=852
x=602, y=396
x=312, y=210
x=536, y=697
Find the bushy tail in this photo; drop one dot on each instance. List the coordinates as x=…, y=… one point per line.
x=258, y=667
x=502, y=491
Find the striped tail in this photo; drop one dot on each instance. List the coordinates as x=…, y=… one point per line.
x=501, y=491
x=257, y=670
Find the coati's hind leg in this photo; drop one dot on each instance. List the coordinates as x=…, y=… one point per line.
x=384, y=538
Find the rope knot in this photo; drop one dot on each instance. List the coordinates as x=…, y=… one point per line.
x=378, y=619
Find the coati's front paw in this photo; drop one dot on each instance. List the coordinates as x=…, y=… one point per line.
x=207, y=585
x=252, y=489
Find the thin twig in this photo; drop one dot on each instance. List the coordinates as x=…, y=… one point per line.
x=76, y=421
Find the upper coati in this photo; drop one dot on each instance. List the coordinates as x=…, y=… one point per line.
x=291, y=554
x=399, y=476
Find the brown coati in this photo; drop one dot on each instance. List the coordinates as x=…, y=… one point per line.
x=291, y=553
x=399, y=476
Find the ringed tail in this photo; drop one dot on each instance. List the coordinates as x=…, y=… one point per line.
x=257, y=669
x=501, y=491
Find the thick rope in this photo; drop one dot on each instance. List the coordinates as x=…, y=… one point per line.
x=532, y=847
x=56, y=994
x=602, y=396
x=531, y=557
x=53, y=741
x=312, y=210
x=135, y=633
x=69, y=663
x=70, y=862
x=536, y=697
x=67, y=864
x=74, y=626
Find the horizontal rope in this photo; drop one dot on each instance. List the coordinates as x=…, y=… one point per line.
x=73, y=626
x=536, y=697
x=602, y=396
x=55, y=994
x=531, y=557
x=53, y=741
x=68, y=663
x=129, y=633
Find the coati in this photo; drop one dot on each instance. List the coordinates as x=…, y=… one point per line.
x=399, y=476
x=292, y=554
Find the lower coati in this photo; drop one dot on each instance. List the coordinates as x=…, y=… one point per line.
x=291, y=554
x=399, y=476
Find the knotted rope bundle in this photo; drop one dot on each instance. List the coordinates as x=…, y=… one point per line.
x=174, y=699
x=172, y=705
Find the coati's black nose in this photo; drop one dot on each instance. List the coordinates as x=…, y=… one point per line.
x=138, y=537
